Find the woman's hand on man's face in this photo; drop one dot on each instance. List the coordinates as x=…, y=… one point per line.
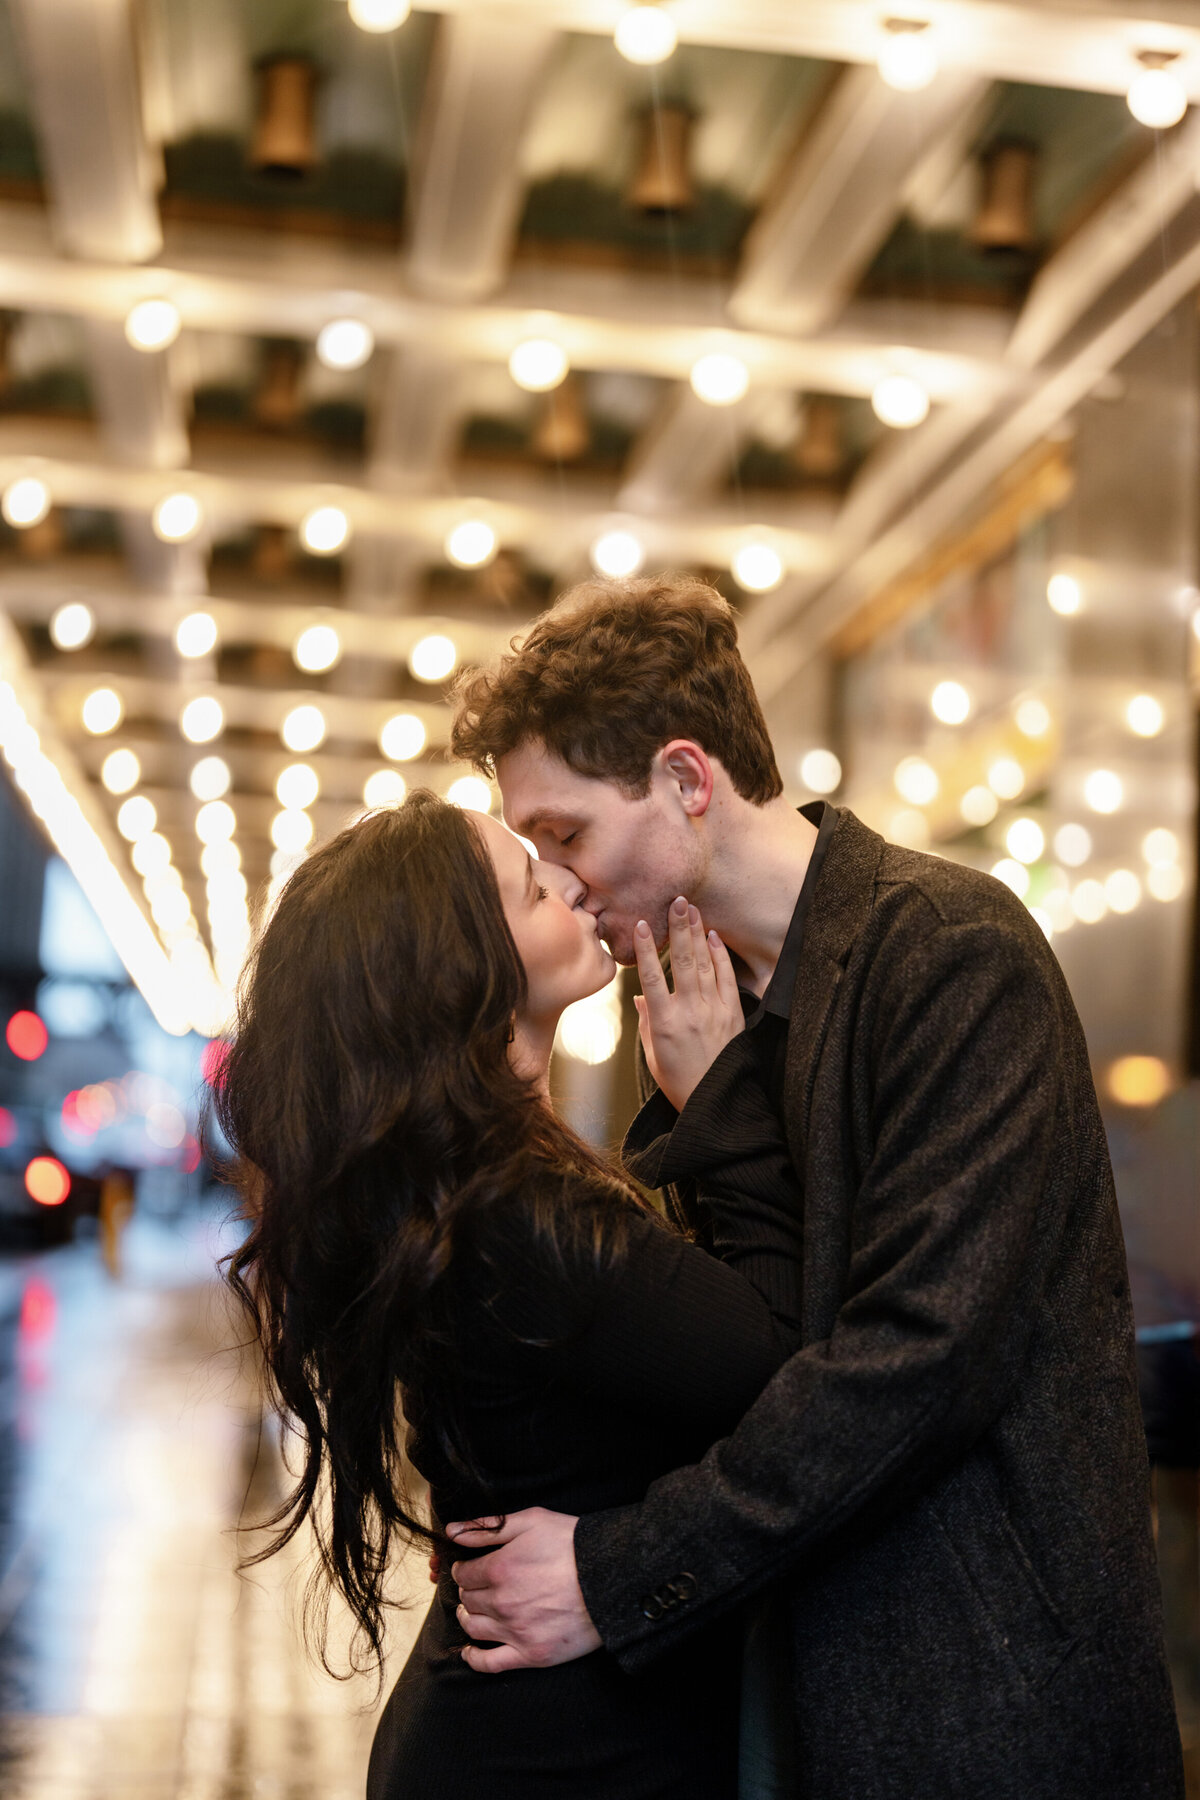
x=684, y=1032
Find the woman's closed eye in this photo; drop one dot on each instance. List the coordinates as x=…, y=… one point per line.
x=542, y=892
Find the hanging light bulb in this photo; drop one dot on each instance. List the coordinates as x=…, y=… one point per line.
x=196, y=635
x=202, y=719
x=210, y=778
x=402, y=737
x=101, y=711
x=617, y=553
x=471, y=543
x=317, y=648
x=120, y=771
x=325, y=530
x=758, y=568
x=379, y=15
x=538, y=365
x=433, y=658
x=72, y=625
x=1156, y=96
x=720, y=378
x=297, y=786
x=907, y=58
x=303, y=729
x=153, y=324
x=176, y=518
x=386, y=787
x=645, y=34
x=900, y=402
x=26, y=502
x=345, y=344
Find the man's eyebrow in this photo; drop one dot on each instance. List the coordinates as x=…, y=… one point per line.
x=546, y=815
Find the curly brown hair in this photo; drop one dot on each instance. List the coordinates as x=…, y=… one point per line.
x=610, y=674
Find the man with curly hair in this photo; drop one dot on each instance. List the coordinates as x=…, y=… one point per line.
x=944, y=1494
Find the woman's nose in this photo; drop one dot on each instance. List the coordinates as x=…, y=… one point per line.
x=563, y=882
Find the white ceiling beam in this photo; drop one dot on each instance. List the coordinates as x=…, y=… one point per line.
x=1053, y=43
x=242, y=288
x=486, y=73
x=685, y=452
x=835, y=203
x=525, y=513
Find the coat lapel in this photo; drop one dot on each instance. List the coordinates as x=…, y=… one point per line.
x=841, y=906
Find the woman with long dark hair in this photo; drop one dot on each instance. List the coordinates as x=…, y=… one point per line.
x=432, y=1250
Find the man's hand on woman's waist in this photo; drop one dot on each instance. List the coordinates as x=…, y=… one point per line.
x=524, y=1596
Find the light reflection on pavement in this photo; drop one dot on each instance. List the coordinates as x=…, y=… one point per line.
x=135, y=1664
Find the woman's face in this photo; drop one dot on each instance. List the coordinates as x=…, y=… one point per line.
x=556, y=939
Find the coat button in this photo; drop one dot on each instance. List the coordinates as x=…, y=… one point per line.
x=685, y=1586
x=652, y=1607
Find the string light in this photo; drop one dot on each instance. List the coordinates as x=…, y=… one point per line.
x=325, y=530
x=101, y=711
x=1156, y=96
x=120, y=771
x=303, y=728
x=433, y=658
x=202, y=719
x=291, y=830
x=297, y=786
x=136, y=818
x=1013, y=874
x=196, y=635
x=1006, y=777
x=950, y=702
x=1123, y=890
x=1025, y=840
x=916, y=781
x=978, y=806
x=471, y=544
x=1073, y=845
x=317, y=648
x=471, y=793
x=1103, y=791
x=538, y=365
x=386, y=787
x=210, y=778
x=900, y=402
x=758, y=568
x=617, y=554
x=379, y=15
x=72, y=625
x=907, y=58
x=1033, y=717
x=402, y=737
x=720, y=378
x=645, y=34
x=820, y=771
x=153, y=324
x=1144, y=716
x=1064, y=594
x=176, y=518
x=345, y=344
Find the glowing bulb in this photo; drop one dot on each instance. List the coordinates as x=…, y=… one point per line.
x=214, y=821
x=101, y=711
x=1157, y=98
x=291, y=830
x=202, y=719
x=1064, y=594
x=590, y=1030
x=1043, y=920
x=324, y=530
x=471, y=543
x=916, y=781
x=720, y=378
x=1073, y=845
x=386, y=787
x=345, y=344
x=379, y=15
x=645, y=34
x=210, y=778
x=1089, y=902
x=196, y=635
x=950, y=702
x=538, y=364
x=151, y=857
x=303, y=729
x=909, y=828
x=1123, y=890
x=1160, y=848
x=120, y=771
x=617, y=554
x=1139, y=1080
x=317, y=648
x=900, y=402
x=170, y=909
x=1144, y=716
x=433, y=658
x=153, y=324
x=758, y=568
x=1025, y=840
x=26, y=502
x=72, y=625
x=223, y=854
x=1013, y=874
x=1165, y=882
x=978, y=806
x=297, y=786
x=1006, y=777
x=1103, y=791
x=136, y=818
x=176, y=518
x=402, y=737
x=1033, y=717
x=470, y=793
x=820, y=771
x=907, y=57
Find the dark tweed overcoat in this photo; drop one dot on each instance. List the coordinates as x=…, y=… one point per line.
x=949, y=1481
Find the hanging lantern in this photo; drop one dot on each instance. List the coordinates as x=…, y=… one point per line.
x=663, y=182
x=272, y=558
x=819, y=450
x=1005, y=217
x=562, y=433
x=284, y=141
x=277, y=397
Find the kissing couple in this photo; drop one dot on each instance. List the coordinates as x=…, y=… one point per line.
x=821, y=1477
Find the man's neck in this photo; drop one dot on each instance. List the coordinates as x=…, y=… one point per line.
x=754, y=883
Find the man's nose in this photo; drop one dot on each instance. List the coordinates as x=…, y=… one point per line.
x=564, y=881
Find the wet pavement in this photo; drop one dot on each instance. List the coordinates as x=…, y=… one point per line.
x=135, y=1663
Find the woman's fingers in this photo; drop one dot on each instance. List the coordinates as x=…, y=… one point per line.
x=701, y=954
x=683, y=955
x=726, y=980
x=654, y=982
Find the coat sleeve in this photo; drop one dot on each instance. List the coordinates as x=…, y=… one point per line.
x=954, y=1224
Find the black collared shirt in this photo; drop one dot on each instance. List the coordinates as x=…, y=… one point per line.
x=768, y=1017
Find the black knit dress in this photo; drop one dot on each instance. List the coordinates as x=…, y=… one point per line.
x=635, y=1371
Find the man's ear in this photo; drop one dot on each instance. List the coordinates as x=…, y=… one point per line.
x=687, y=766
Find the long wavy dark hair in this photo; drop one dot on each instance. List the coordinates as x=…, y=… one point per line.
x=373, y=1115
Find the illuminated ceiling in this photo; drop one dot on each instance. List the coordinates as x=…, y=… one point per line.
x=758, y=211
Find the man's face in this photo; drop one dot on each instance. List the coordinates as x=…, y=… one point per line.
x=633, y=855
